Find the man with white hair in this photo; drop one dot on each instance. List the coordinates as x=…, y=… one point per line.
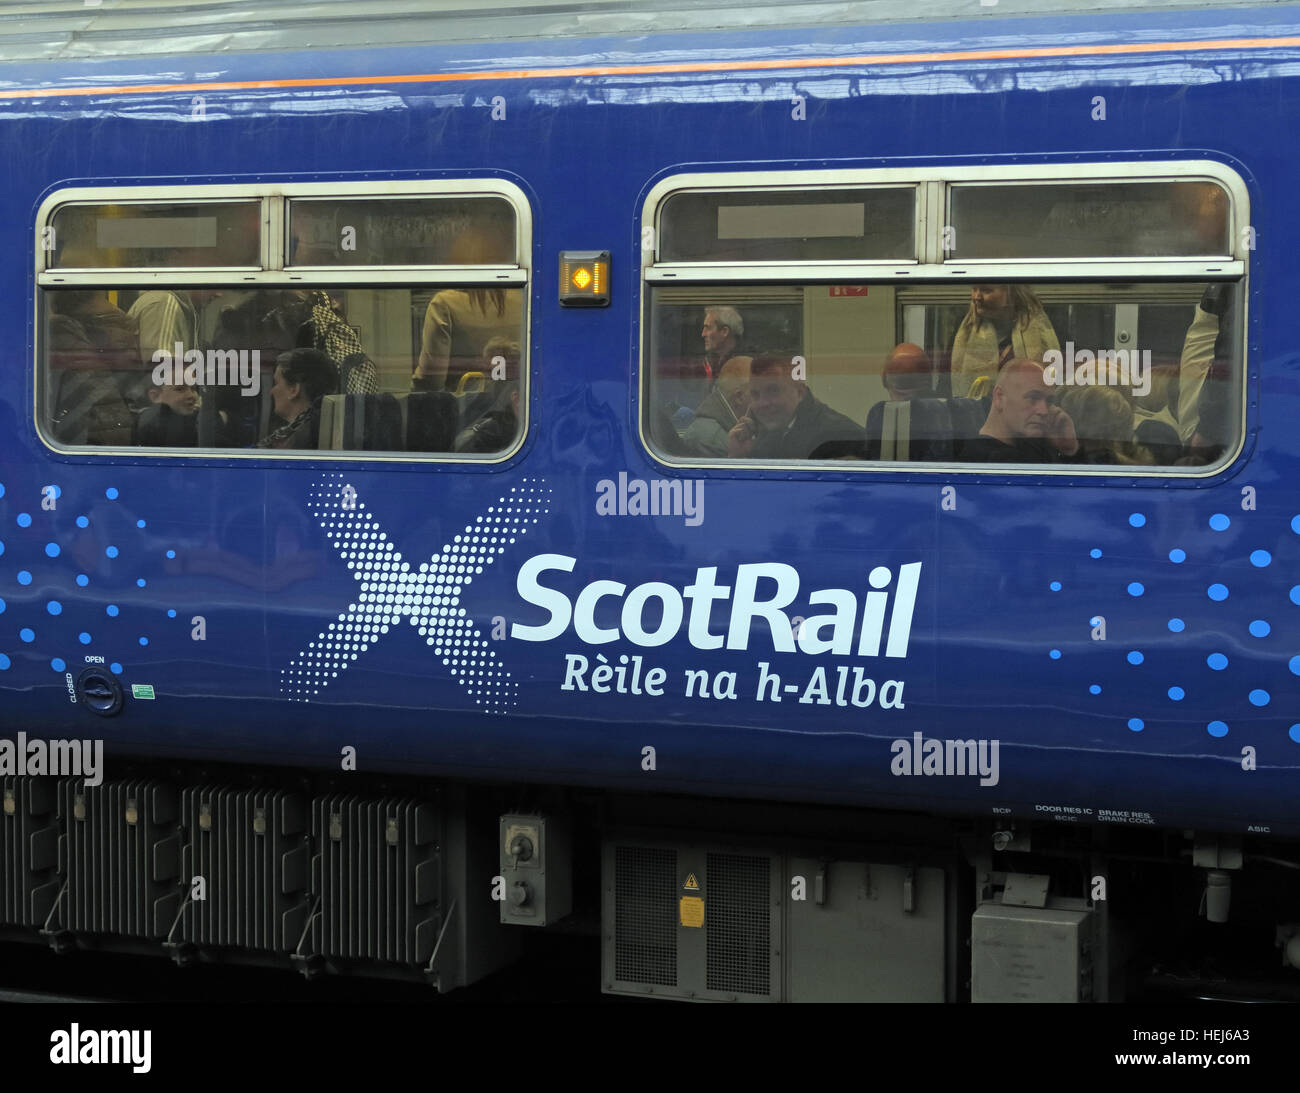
x=723, y=328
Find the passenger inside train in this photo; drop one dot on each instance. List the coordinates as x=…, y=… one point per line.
x=1137, y=407
x=419, y=307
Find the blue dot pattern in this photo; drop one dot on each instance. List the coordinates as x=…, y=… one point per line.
x=54, y=625
x=1215, y=555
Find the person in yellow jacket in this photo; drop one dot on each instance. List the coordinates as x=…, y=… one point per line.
x=1005, y=322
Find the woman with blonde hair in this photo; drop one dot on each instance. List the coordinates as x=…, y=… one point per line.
x=1005, y=322
x=1103, y=422
x=458, y=323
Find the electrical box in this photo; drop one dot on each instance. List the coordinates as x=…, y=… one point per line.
x=1031, y=954
x=753, y=924
x=537, y=869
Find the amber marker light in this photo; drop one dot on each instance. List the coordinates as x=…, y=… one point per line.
x=584, y=278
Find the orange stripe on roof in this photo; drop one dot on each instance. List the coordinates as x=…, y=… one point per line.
x=1129, y=49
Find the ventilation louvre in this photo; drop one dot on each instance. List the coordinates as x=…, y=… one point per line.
x=738, y=936
x=691, y=921
x=121, y=858
x=377, y=873
x=29, y=850
x=251, y=849
x=645, y=915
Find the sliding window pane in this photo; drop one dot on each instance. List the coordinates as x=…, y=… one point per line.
x=461, y=231
x=785, y=226
x=1089, y=220
x=149, y=236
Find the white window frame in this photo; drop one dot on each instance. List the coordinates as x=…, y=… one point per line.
x=274, y=274
x=929, y=264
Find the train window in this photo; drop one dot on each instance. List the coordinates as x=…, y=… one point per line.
x=763, y=226
x=446, y=231
x=149, y=235
x=1102, y=333
x=430, y=369
x=419, y=350
x=1094, y=375
x=1088, y=220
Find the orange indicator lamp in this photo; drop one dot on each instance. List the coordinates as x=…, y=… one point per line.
x=584, y=278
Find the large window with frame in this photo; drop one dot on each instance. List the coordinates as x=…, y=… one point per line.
x=319, y=319
x=1086, y=319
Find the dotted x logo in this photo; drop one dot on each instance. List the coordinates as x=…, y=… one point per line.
x=427, y=597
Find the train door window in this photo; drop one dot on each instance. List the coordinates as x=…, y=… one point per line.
x=1030, y=326
x=151, y=343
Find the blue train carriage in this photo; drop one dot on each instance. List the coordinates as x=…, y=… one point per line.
x=812, y=510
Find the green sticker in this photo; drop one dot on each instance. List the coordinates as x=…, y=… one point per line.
x=142, y=690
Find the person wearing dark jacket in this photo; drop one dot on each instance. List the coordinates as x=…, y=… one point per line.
x=785, y=419
x=303, y=377
x=721, y=408
x=1023, y=425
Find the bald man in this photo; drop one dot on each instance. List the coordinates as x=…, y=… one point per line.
x=725, y=404
x=907, y=373
x=1024, y=424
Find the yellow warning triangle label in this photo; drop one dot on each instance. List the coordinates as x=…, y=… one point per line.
x=691, y=882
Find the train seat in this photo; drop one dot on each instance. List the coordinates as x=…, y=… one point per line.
x=923, y=430
x=421, y=421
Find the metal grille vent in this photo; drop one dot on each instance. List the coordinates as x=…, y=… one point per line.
x=645, y=915
x=29, y=850
x=251, y=849
x=738, y=924
x=377, y=873
x=121, y=857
